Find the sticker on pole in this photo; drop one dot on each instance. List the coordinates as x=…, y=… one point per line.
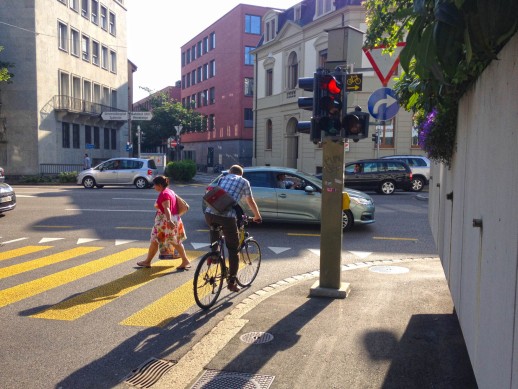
x=383, y=104
x=384, y=64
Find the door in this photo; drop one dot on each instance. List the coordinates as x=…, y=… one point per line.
x=264, y=193
x=293, y=202
x=108, y=173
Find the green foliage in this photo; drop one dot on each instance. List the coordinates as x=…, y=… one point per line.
x=181, y=171
x=448, y=45
x=5, y=74
x=66, y=177
x=63, y=177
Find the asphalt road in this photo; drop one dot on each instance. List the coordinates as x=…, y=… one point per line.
x=75, y=312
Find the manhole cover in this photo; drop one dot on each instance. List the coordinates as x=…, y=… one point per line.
x=215, y=379
x=148, y=374
x=389, y=269
x=256, y=337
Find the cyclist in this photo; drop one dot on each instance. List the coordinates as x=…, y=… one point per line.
x=236, y=186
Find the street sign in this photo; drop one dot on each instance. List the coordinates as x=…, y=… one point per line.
x=115, y=116
x=173, y=143
x=384, y=64
x=142, y=115
x=90, y=146
x=353, y=82
x=383, y=104
x=178, y=129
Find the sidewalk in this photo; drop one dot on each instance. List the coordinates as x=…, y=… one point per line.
x=396, y=329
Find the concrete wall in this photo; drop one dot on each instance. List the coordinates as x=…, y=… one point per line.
x=474, y=219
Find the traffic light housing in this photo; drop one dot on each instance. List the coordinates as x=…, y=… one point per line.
x=310, y=84
x=330, y=86
x=375, y=138
x=356, y=125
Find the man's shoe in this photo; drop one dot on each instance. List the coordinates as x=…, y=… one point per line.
x=233, y=287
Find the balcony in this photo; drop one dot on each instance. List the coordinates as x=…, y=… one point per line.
x=69, y=104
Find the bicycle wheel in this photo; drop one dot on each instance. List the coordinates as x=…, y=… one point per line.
x=249, y=262
x=208, y=280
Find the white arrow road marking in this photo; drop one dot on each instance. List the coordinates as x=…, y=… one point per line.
x=21, y=195
x=14, y=240
x=85, y=240
x=278, y=250
x=196, y=246
x=122, y=241
x=45, y=240
x=388, y=102
x=361, y=254
x=315, y=251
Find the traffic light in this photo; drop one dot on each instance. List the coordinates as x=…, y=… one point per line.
x=356, y=125
x=310, y=84
x=330, y=86
x=375, y=138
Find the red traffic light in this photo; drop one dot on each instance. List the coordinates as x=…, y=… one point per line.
x=331, y=84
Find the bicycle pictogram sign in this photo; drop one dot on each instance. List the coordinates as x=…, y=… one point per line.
x=353, y=82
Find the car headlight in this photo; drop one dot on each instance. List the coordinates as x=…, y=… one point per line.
x=360, y=201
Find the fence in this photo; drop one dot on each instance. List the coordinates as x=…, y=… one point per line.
x=56, y=168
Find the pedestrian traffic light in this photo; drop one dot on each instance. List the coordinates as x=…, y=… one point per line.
x=356, y=125
x=330, y=87
x=375, y=138
x=310, y=84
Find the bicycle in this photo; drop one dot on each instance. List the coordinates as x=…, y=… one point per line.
x=213, y=266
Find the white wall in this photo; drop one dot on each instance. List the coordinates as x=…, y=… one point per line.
x=481, y=263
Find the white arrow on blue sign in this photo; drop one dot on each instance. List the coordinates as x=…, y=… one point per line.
x=383, y=104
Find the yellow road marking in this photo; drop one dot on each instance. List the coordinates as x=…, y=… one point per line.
x=294, y=234
x=45, y=261
x=388, y=238
x=32, y=288
x=22, y=251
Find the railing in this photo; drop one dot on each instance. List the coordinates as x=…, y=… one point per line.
x=72, y=104
x=56, y=168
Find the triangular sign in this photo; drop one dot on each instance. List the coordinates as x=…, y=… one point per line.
x=385, y=65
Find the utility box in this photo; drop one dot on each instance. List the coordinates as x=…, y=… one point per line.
x=159, y=158
x=344, y=45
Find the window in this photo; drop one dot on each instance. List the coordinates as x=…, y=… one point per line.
x=249, y=117
x=76, y=93
x=104, y=18
x=104, y=57
x=269, y=82
x=87, y=90
x=323, y=7
x=188, y=55
x=386, y=133
x=74, y=5
x=269, y=134
x=74, y=42
x=252, y=24
x=97, y=93
x=114, y=138
x=212, y=95
x=297, y=13
x=95, y=53
x=114, y=99
x=205, y=98
x=97, y=142
x=293, y=70
x=206, y=71
x=212, y=41
x=199, y=48
x=63, y=36
x=95, y=12
x=249, y=86
x=75, y=136
x=88, y=135
x=249, y=58
x=200, y=75
x=322, y=58
x=270, y=30
x=212, y=68
x=85, y=11
x=64, y=84
x=193, y=53
x=113, y=27
x=106, y=96
x=65, y=135
x=193, y=77
x=205, y=44
x=113, y=61
x=106, y=138
x=211, y=122
x=85, y=48
x=415, y=137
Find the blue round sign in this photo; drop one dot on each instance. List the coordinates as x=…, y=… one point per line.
x=383, y=104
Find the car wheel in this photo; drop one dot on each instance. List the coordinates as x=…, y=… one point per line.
x=141, y=183
x=417, y=184
x=88, y=182
x=347, y=220
x=387, y=187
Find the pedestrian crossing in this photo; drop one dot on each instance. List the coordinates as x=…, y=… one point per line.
x=66, y=266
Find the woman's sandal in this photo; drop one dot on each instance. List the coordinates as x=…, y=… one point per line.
x=186, y=267
x=143, y=264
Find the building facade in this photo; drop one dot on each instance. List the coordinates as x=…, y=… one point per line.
x=218, y=81
x=71, y=65
x=171, y=92
x=295, y=43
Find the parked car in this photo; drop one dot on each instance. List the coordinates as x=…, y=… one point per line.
x=2, y=175
x=120, y=171
x=420, y=167
x=381, y=175
x=7, y=198
x=301, y=202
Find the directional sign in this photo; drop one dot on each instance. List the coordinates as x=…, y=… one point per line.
x=89, y=146
x=116, y=116
x=141, y=115
x=383, y=104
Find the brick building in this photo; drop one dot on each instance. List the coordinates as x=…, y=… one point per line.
x=218, y=81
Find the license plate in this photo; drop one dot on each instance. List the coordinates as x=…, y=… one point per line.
x=6, y=199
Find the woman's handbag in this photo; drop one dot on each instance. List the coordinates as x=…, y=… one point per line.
x=182, y=205
x=218, y=199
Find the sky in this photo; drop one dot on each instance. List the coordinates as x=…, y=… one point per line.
x=157, y=29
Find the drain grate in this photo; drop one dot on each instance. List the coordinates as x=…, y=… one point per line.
x=216, y=379
x=149, y=373
x=256, y=337
x=389, y=269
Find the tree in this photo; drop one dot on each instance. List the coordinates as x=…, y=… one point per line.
x=5, y=74
x=167, y=115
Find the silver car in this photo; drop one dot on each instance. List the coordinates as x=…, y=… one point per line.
x=7, y=198
x=120, y=171
x=299, y=198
